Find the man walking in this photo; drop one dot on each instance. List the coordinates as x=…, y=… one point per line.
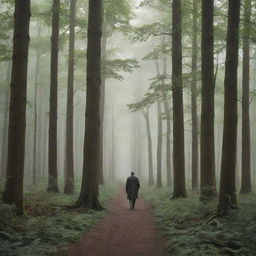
x=132, y=189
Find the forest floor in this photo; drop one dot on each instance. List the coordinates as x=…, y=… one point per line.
x=192, y=228
x=123, y=232
x=47, y=227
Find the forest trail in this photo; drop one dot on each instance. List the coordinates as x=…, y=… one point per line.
x=123, y=232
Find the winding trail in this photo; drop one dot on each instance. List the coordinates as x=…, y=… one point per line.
x=123, y=232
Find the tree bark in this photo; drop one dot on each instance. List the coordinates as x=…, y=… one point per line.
x=227, y=197
x=150, y=154
x=159, y=146
x=208, y=185
x=177, y=95
x=194, y=98
x=102, y=112
x=168, y=124
x=13, y=192
x=52, y=151
x=69, y=178
x=35, y=118
x=90, y=187
x=246, y=186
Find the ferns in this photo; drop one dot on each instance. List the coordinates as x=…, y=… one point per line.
x=189, y=229
x=47, y=227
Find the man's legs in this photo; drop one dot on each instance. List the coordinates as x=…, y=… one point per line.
x=133, y=203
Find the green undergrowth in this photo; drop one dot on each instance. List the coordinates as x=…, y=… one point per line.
x=190, y=227
x=47, y=227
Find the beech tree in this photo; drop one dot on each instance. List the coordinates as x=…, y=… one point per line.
x=13, y=192
x=69, y=177
x=194, y=97
x=52, y=147
x=246, y=137
x=177, y=98
x=227, y=196
x=90, y=187
x=207, y=162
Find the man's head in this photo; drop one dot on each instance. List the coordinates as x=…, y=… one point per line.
x=132, y=173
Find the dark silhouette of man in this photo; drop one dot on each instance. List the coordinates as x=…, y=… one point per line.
x=132, y=189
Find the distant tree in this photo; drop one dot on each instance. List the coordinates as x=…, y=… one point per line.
x=69, y=176
x=177, y=96
x=150, y=154
x=13, y=192
x=207, y=163
x=4, y=148
x=159, y=145
x=35, y=110
x=143, y=107
x=6, y=26
x=167, y=115
x=246, y=137
x=52, y=148
x=227, y=196
x=90, y=187
x=194, y=96
x=114, y=19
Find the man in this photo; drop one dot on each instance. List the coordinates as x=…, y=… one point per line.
x=132, y=189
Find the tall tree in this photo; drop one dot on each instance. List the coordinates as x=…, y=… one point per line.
x=102, y=104
x=52, y=150
x=194, y=97
x=227, y=196
x=159, y=145
x=5, y=123
x=35, y=117
x=13, y=193
x=177, y=96
x=168, y=119
x=150, y=154
x=69, y=177
x=90, y=188
x=246, y=140
x=207, y=162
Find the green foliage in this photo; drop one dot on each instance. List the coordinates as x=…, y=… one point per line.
x=190, y=228
x=47, y=226
x=6, y=25
x=114, y=68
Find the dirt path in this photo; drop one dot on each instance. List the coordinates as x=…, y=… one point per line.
x=123, y=232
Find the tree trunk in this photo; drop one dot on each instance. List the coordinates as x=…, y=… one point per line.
x=177, y=95
x=208, y=185
x=159, y=146
x=246, y=140
x=194, y=99
x=69, y=176
x=90, y=187
x=112, y=169
x=150, y=154
x=35, y=118
x=52, y=151
x=168, y=124
x=13, y=193
x=227, y=197
x=6, y=119
x=102, y=105
x=168, y=140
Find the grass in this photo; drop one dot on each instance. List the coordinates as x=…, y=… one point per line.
x=47, y=227
x=188, y=228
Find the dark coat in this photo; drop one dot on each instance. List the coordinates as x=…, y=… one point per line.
x=132, y=187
